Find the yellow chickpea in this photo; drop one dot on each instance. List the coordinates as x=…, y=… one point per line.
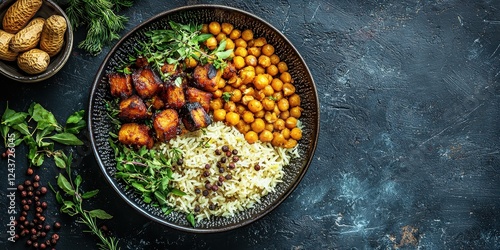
x=294, y=100
x=266, y=136
x=254, y=51
x=278, y=139
x=286, y=133
x=247, y=74
x=240, y=51
x=221, y=83
x=211, y=43
x=242, y=126
x=220, y=37
x=236, y=95
x=260, y=81
x=251, y=60
x=290, y=143
x=296, y=133
x=251, y=43
x=239, y=62
x=235, y=34
x=268, y=104
x=248, y=117
x=284, y=115
x=279, y=124
x=232, y=118
x=278, y=95
x=214, y=28
x=190, y=62
x=272, y=70
x=217, y=93
x=270, y=118
x=283, y=67
x=283, y=104
x=247, y=35
x=216, y=104
x=277, y=84
x=260, y=70
x=247, y=98
x=296, y=112
x=286, y=77
x=240, y=108
x=268, y=49
x=255, y=106
x=230, y=106
x=258, y=125
x=251, y=137
x=268, y=90
x=227, y=88
x=288, y=89
x=291, y=122
x=219, y=115
x=260, y=114
x=264, y=61
x=275, y=59
x=259, y=42
x=237, y=83
x=229, y=44
x=226, y=28
x=240, y=43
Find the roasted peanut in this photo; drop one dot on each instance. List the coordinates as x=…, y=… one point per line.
x=19, y=14
x=28, y=37
x=33, y=61
x=52, y=37
x=5, y=53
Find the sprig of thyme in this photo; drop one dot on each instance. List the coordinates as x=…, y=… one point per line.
x=182, y=41
x=71, y=201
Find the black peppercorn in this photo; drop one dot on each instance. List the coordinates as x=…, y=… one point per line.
x=24, y=202
x=20, y=187
x=236, y=158
x=24, y=193
x=35, y=244
x=215, y=187
x=208, y=185
x=55, y=237
x=44, y=205
x=30, y=194
x=197, y=191
x=232, y=165
x=256, y=167
x=43, y=246
x=39, y=209
x=217, y=152
x=36, y=184
x=207, y=166
x=223, y=159
x=221, y=170
x=57, y=225
x=197, y=208
x=205, y=192
x=47, y=228
x=29, y=242
x=229, y=177
x=29, y=188
x=180, y=161
x=211, y=207
x=22, y=218
x=235, y=152
x=225, y=148
x=206, y=173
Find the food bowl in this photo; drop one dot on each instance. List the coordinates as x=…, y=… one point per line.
x=12, y=71
x=100, y=125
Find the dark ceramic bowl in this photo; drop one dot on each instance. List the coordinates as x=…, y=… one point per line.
x=12, y=71
x=100, y=125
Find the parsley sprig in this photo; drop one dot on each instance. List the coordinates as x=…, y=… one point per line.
x=182, y=41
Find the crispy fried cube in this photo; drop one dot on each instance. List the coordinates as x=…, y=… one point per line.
x=166, y=124
x=206, y=77
x=141, y=62
x=200, y=96
x=229, y=71
x=132, y=109
x=173, y=95
x=120, y=85
x=146, y=82
x=194, y=116
x=134, y=134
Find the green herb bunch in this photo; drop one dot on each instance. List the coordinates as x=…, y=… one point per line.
x=71, y=200
x=39, y=130
x=182, y=41
x=102, y=22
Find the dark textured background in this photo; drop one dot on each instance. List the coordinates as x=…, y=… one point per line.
x=409, y=151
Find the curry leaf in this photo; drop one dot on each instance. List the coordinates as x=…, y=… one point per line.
x=101, y=214
x=66, y=139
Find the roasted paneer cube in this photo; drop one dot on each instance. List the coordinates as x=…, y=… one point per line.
x=166, y=124
x=132, y=109
x=156, y=102
x=120, y=85
x=206, y=77
x=194, y=116
x=141, y=62
x=200, y=96
x=146, y=82
x=173, y=95
x=171, y=70
x=136, y=135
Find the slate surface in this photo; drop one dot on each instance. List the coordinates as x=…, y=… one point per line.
x=409, y=151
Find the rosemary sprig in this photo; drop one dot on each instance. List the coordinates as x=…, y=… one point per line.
x=73, y=205
x=182, y=41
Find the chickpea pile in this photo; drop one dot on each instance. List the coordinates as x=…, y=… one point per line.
x=263, y=104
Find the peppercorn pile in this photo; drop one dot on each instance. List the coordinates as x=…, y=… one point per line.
x=32, y=224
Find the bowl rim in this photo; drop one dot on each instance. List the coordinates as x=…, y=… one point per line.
x=111, y=180
x=65, y=50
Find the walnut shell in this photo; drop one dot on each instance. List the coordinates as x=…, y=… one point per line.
x=19, y=14
x=5, y=52
x=52, y=38
x=33, y=61
x=28, y=37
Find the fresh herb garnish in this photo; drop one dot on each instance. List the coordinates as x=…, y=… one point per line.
x=73, y=205
x=102, y=23
x=226, y=96
x=182, y=41
x=39, y=130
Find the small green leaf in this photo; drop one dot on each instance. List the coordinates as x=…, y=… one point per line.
x=22, y=128
x=59, y=198
x=224, y=54
x=4, y=130
x=75, y=117
x=44, y=117
x=160, y=197
x=164, y=184
x=15, y=118
x=38, y=159
x=60, y=161
x=64, y=184
x=101, y=214
x=177, y=192
x=138, y=186
x=226, y=96
x=66, y=139
x=90, y=194
x=190, y=218
x=78, y=181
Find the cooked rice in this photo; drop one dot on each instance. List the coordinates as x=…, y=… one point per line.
x=247, y=185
